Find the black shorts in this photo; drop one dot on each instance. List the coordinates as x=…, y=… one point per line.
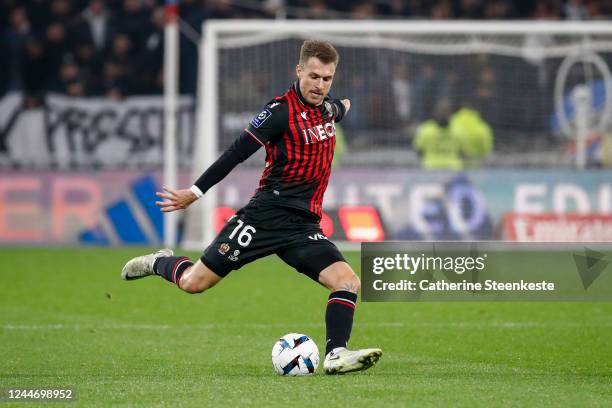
x=259, y=230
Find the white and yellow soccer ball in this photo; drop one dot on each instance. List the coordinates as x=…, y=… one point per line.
x=295, y=354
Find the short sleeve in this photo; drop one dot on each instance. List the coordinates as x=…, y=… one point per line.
x=270, y=123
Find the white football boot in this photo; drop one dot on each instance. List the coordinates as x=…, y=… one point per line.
x=142, y=266
x=340, y=360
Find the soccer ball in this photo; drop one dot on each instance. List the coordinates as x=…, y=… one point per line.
x=295, y=354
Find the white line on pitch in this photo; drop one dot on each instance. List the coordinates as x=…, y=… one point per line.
x=214, y=326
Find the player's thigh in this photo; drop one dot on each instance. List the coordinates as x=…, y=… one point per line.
x=199, y=278
x=311, y=258
x=244, y=239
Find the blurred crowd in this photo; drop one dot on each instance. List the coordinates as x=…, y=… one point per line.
x=114, y=48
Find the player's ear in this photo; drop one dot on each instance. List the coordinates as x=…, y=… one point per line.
x=298, y=71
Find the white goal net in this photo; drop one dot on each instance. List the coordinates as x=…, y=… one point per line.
x=521, y=76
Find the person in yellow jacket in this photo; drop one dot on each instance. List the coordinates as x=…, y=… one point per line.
x=340, y=149
x=474, y=133
x=438, y=147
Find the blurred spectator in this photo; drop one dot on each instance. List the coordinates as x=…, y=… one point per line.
x=153, y=53
x=275, y=8
x=39, y=12
x=419, y=8
x=314, y=9
x=341, y=149
x=34, y=66
x=15, y=38
x=498, y=10
x=360, y=104
x=485, y=96
x=115, y=84
x=56, y=46
x=5, y=69
x=449, y=86
x=193, y=15
x=438, y=147
x=363, y=10
x=85, y=29
x=547, y=10
x=475, y=134
x=133, y=20
x=597, y=9
x=234, y=90
x=442, y=10
x=220, y=9
x=395, y=8
x=425, y=92
x=61, y=10
x=120, y=77
x=401, y=88
x=575, y=10
x=90, y=66
x=93, y=26
x=471, y=9
x=70, y=80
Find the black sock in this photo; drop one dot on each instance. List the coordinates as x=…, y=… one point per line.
x=339, y=319
x=171, y=267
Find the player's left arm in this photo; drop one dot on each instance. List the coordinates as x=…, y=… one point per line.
x=337, y=108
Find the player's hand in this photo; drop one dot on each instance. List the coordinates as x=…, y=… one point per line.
x=333, y=109
x=347, y=105
x=175, y=199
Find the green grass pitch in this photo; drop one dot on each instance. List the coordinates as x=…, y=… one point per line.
x=67, y=320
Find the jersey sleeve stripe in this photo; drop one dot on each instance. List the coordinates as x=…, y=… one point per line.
x=254, y=137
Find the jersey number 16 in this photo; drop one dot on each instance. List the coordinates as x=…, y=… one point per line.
x=245, y=236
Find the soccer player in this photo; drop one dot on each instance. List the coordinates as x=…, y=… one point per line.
x=297, y=130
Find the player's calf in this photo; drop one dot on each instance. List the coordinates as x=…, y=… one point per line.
x=171, y=268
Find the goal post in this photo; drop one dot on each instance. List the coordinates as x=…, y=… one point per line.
x=171, y=69
x=396, y=73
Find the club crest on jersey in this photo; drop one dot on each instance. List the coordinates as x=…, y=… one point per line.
x=319, y=133
x=234, y=256
x=224, y=248
x=261, y=118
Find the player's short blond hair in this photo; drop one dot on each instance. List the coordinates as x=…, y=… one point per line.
x=322, y=50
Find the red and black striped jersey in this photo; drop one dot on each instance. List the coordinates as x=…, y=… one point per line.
x=299, y=139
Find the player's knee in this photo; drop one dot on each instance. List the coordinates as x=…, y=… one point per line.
x=348, y=282
x=354, y=283
x=189, y=286
x=198, y=279
x=340, y=276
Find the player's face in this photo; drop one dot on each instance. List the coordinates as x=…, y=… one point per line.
x=315, y=79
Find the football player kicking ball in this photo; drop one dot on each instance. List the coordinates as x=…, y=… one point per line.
x=297, y=130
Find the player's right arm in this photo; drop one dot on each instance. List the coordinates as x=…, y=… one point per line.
x=264, y=128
